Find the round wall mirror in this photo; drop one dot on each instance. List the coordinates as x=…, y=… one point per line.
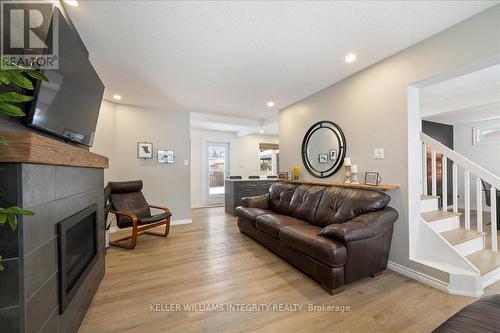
x=323, y=149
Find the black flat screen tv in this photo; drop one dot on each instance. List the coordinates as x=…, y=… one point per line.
x=68, y=104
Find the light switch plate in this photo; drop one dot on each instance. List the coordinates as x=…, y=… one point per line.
x=378, y=153
x=186, y=162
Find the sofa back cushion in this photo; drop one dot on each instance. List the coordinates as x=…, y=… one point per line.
x=280, y=196
x=305, y=201
x=339, y=205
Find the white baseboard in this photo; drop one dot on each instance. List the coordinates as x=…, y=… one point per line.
x=184, y=221
x=173, y=222
x=420, y=277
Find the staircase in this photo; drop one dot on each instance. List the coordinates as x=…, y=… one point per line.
x=457, y=250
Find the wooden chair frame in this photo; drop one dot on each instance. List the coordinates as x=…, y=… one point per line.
x=138, y=230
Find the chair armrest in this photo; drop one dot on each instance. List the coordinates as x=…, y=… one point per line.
x=132, y=217
x=260, y=201
x=161, y=208
x=363, y=226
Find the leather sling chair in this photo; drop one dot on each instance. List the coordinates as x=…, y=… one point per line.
x=132, y=210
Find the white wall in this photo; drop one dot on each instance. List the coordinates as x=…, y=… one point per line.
x=371, y=107
x=105, y=139
x=485, y=155
x=244, y=158
x=245, y=154
x=119, y=129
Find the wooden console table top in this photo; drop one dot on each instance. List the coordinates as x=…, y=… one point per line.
x=28, y=147
x=379, y=187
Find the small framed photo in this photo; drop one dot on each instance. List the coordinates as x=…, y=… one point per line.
x=372, y=178
x=323, y=158
x=283, y=175
x=166, y=156
x=333, y=154
x=145, y=150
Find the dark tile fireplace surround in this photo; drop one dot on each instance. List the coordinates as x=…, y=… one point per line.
x=41, y=291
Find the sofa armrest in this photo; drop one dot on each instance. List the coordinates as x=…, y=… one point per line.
x=363, y=226
x=260, y=201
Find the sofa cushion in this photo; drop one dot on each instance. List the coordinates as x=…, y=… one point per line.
x=305, y=239
x=480, y=316
x=272, y=223
x=280, y=196
x=250, y=214
x=305, y=200
x=339, y=205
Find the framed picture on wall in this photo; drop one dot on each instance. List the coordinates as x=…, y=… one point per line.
x=166, y=156
x=145, y=150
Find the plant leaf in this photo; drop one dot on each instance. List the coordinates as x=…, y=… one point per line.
x=3, y=218
x=36, y=75
x=15, y=210
x=3, y=141
x=1, y=266
x=12, y=220
x=19, y=79
x=4, y=78
x=11, y=110
x=13, y=96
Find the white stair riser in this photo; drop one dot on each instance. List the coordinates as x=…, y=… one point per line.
x=471, y=246
x=489, y=278
x=447, y=224
x=428, y=205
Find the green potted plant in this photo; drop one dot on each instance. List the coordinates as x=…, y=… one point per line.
x=12, y=80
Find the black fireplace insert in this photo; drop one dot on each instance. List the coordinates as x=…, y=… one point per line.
x=77, y=252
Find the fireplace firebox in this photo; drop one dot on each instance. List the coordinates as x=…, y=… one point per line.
x=77, y=244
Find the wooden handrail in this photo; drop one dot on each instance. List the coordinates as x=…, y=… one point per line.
x=462, y=161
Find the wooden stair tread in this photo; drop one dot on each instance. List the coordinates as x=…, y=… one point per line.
x=437, y=215
x=458, y=236
x=428, y=197
x=485, y=260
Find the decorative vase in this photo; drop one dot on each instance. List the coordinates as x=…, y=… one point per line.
x=348, y=174
x=295, y=172
x=354, y=174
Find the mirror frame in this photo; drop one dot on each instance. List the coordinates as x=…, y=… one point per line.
x=342, y=148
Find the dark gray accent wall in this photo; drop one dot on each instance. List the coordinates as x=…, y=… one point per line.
x=29, y=294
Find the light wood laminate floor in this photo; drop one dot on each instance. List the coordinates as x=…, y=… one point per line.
x=209, y=262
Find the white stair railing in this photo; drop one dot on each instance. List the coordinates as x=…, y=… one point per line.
x=449, y=155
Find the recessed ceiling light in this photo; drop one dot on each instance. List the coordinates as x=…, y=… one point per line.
x=118, y=97
x=350, y=57
x=73, y=3
x=270, y=104
x=261, y=131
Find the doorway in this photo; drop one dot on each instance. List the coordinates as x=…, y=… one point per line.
x=216, y=164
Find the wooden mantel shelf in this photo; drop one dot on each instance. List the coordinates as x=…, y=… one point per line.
x=379, y=187
x=28, y=147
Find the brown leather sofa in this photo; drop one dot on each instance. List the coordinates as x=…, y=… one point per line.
x=479, y=317
x=335, y=235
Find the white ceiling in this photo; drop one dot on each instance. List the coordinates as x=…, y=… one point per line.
x=236, y=125
x=230, y=58
x=465, y=99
